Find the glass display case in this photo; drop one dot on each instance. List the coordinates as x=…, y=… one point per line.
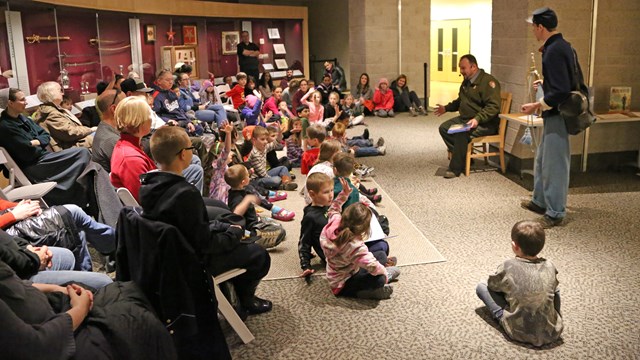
x=80, y=47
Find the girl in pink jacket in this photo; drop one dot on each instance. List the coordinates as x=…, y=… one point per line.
x=383, y=99
x=352, y=270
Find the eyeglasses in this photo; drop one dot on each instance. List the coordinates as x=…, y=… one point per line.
x=115, y=96
x=187, y=148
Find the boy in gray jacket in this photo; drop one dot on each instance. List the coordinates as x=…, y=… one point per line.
x=523, y=294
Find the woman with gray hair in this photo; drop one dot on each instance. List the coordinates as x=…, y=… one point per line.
x=65, y=129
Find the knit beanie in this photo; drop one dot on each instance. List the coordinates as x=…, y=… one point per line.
x=251, y=100
x=206, y=84
x=383, y=81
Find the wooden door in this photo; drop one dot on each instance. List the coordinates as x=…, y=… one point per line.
x=450, y=40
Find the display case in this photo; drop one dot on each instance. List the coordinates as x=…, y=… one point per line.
x=187, y=54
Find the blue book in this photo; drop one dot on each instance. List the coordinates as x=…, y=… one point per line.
x=458, y=128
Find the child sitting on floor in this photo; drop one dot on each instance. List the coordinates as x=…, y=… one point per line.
x=315, y=136
x=272, y=157
x=352, y=270
x=324, y=164
x=320, y=188
x=241, y=202
x=359, y=147
x=523, y=294
x=294, y=142
x=275, y=178
x=219, y=189
x=353, y=110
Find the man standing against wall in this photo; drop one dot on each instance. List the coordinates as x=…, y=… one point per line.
x=551, y=169
x=478, y=103
x=248, y=53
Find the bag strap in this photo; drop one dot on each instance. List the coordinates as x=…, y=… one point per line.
x=576, y=79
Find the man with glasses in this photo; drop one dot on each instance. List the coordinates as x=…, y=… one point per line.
x=166, y=104
x=209, y=113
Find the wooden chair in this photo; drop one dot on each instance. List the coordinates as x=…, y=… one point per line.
x=479, y=147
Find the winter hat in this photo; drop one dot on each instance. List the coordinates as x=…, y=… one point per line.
x=383, y=81
x=251, y=100
x=207, y=84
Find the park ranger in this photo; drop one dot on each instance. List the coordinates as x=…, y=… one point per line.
x=478, y=103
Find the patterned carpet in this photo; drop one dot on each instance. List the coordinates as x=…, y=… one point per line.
x=407, y=243
x=434, y=312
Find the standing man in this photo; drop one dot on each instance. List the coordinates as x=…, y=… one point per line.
x=248, y=53
x=551, y=170
x=478, y=103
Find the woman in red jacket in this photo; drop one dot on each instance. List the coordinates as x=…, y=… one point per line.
x=383, y=99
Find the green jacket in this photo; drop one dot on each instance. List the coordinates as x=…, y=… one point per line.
x=479, y=100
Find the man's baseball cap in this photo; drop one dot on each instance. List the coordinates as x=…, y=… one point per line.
x=134, y=85
x=544, y=16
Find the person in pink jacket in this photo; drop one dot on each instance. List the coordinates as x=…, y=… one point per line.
x=352, y=270
x=271, y=104
x=383, y=99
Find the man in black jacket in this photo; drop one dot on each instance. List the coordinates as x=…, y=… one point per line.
x=167, y=197
x=551, y=176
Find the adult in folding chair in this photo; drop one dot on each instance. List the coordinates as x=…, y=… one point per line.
x=27, y=145
x=478, y=103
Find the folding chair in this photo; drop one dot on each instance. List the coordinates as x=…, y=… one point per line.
x=227, y=310
x=19, y=185
x=126, y=198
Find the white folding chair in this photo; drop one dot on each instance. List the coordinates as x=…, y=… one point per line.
x=227, y=310
x=126, y=198
x=19, y=185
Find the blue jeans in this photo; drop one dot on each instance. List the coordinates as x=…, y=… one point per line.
x=360, y=142
x=60, y=272
x=367, y=151
x=551, y=168
x=496, y=302
x=274, y=178
x=194, y=174
x=214, y=113
x=101, y=236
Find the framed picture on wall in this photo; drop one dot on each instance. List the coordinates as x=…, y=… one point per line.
x=190, y=35
x=230, y=40
x=150, y=33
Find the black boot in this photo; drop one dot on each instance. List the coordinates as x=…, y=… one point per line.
x=253, y=304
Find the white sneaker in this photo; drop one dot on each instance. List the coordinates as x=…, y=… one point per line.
x=382, y=150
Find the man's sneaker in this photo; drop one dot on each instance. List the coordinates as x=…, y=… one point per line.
x=270, y=238
x=422, y=110
x=284, y=215
x=531, y=206
x=289, y=186
x=413, y=111
x=365, y=134
x=381, y=293
x=392, y=273
x=548, y=222
x=380, y=142
x=382, y=150
x=280, y=195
